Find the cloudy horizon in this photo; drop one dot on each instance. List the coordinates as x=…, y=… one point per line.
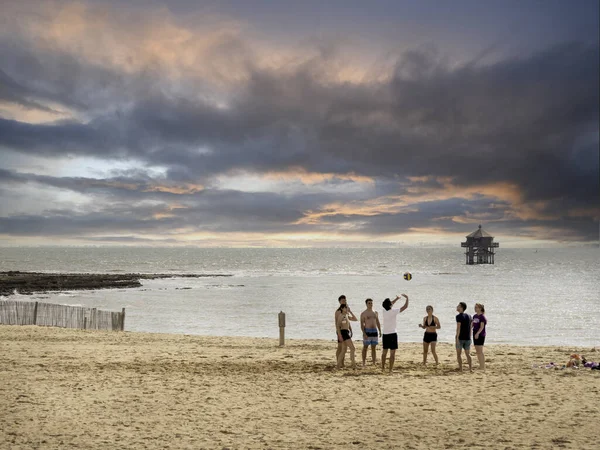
x=250, y=123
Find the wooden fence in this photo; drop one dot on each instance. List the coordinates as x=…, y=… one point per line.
x=51, y=315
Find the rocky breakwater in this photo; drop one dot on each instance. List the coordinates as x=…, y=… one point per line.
x=27, y=283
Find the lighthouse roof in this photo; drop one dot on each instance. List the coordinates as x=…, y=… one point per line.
x=479, y=233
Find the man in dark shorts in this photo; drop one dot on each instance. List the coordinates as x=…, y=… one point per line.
x=463, y=335
x=390, y=334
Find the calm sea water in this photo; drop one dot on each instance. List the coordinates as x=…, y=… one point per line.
x=543, y=297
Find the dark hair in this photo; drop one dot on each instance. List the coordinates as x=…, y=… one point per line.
x=463, y=306
x=341, y=297
x=387, y=304
x=368, y=300
x=342, y=307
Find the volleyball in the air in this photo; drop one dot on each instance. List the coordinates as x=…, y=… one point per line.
x=407, y=276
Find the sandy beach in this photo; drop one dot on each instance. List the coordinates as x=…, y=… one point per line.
x=62, y=388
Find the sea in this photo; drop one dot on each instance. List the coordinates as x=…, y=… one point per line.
x=546, y=296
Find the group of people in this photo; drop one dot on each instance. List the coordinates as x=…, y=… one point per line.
x=466, y=326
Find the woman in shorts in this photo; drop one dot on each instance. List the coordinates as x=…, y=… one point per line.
x=479, y=325
x=430, y=324
x=344, y=331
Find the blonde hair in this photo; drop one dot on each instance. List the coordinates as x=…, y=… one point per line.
x=480, y=307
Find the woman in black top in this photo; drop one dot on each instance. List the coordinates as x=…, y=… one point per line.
x=430, y=324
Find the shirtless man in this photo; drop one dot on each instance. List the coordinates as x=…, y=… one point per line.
x=371, y=328
x=341, y=301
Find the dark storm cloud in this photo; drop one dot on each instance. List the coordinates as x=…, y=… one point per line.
x=59, y=139
x=441, y=215
x=121, y=205
x=529, y=121
x=69, y=223
x=215, y=212
x=423, y=215
x=119, y=210
x=517, y=120
x=13, y=92
x=227, y=203
x=30, y=76
x=129, y=240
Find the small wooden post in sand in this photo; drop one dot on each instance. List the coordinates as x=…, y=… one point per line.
x=281, y=328
x=123, y=319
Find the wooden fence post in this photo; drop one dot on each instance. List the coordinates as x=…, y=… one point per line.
x=281, y=328
x=85, y=323
x=123, y=319
x=35, y=313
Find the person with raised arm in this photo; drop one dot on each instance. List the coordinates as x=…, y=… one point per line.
x=390, y=334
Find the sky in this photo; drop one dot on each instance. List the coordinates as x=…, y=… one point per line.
x=258, y=123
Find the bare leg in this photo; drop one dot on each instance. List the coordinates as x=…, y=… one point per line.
x=469, y=361
x=364, y=354
x=374, y=353
x=340, y=363
x=434, y=353
x=459, y=358
x=352, y=350
x=392, y=359
x=338, y=351
x=480, y=356
x=383, y=355
x=425, y=349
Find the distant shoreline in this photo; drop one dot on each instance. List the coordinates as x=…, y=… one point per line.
x=27, y=283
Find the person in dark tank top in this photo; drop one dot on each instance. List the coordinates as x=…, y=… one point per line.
x=430, y=324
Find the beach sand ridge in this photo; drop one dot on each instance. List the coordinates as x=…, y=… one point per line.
x=87, y=389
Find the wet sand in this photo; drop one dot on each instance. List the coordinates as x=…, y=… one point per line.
x=63, y=388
